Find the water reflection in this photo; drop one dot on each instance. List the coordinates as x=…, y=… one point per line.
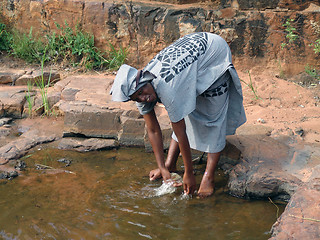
x=108, y=196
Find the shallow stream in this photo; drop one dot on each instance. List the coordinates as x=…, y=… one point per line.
x=108, y=195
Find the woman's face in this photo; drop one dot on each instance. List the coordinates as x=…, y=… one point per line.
x=145, y=94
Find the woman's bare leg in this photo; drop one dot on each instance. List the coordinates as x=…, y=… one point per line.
x=171, y=162
x=207, y=183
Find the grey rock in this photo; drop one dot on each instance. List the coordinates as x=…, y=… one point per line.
x=20, y=165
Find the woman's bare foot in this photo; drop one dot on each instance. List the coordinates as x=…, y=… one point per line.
x=206, y=187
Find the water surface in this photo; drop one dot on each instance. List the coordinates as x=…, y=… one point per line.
x=107, y=195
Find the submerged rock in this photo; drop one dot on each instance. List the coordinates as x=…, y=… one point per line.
x=85, y=145
x=8, y=175
x=66, y=161
x=20, y=165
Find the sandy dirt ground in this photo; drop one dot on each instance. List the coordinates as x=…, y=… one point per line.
x=284, y=106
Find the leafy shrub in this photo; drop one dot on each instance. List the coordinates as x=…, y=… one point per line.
x=5, y=38
x=116, y=57
x=291, y=36
x=26, y=47
x=73, y=46
x=312, y=71
x=316, y=46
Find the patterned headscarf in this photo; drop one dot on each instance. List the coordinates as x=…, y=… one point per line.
x=125, y=83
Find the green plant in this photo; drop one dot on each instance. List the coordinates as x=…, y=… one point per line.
x=43, y=86
x=291, y=36
x=250, y=85
x=68, y=46
x=27, y=47
x=5, y=38
x=282, y=74
x=316, y=46
x=312, y=71
x=30, y=98
x=116, y=57
x=76, y=45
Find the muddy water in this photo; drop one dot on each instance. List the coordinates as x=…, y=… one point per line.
x=107, y=195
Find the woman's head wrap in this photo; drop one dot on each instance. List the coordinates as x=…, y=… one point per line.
x=127, y=83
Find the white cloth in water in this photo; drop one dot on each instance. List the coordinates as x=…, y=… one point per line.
x=183, y=72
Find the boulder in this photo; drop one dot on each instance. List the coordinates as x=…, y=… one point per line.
x=132, y=132
x=269, y=167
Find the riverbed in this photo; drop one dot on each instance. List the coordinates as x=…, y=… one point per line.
x=108, y=195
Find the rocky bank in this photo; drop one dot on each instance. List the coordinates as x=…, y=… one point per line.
x=267, y=158
x=275, y=155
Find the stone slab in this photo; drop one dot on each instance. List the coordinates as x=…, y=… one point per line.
x=12, y=100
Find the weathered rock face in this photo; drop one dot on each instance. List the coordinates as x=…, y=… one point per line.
x=252, y=28
x=9, y=77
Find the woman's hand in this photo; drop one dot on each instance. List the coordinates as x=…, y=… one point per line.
x=165, y=174
x=189, y=183
x=155, y=174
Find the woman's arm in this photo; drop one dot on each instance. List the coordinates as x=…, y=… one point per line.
x=189, y=181
x=155, y=136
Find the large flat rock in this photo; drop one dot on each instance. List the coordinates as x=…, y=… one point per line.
x=301, y=217
x=89, y=111
x=12, y=100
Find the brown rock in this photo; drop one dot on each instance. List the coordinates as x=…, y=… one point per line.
x=148, y=27
x=17, y=148
x=301, y=217
x=37, y=77
x=10, y=76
